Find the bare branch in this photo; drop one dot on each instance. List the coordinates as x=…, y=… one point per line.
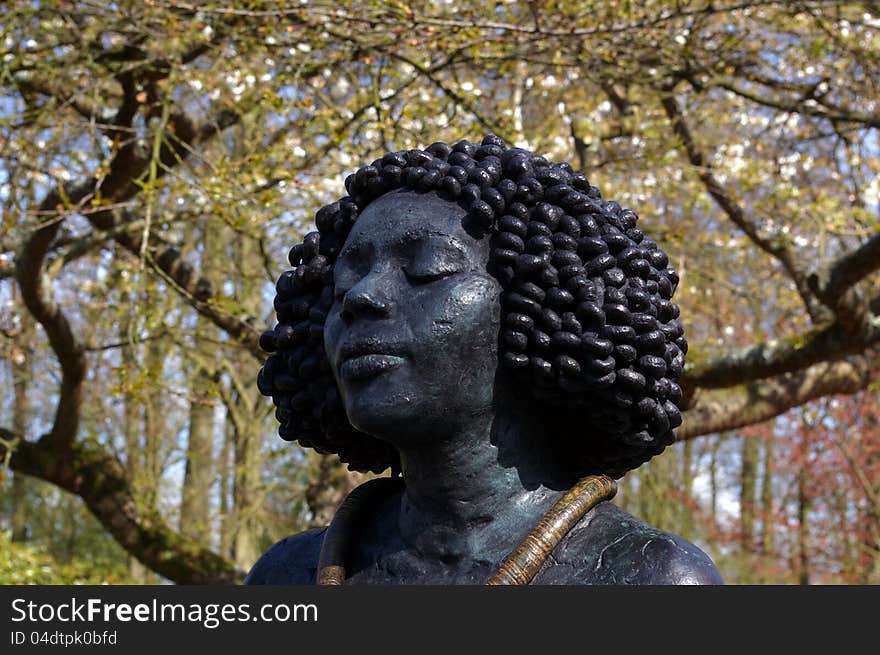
x=410, y=19
x=752, y=403
x=101, y=481
x=776, y=357
x=199, y=292
x=831, y=113
x=169, y=261
x=457, y=98
x=834, y=286
x=128, y=343
x=31, y=86
x=776, y=248
x=853, y=266
x=864, y=481
x=37, y=297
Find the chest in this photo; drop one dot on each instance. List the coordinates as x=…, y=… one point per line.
x=401, y=565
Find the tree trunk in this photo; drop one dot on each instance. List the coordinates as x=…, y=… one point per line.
x=687, y=520
x=18, y=520
x=843, y=534
x=713, y=480
x=249, y=408
x=247, y=493
x=133, y=424
x=657, y=505
x=227, y=517
x=768, y=542
x=195, y=506
x=100, y=479
x=21, y=372
x=154, y=423
x=748, y=492
x=803, y=528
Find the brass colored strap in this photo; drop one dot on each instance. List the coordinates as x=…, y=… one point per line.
x=331, y=575
x=523, y=564
x=339, y=534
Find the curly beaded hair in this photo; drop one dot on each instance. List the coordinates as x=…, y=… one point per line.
x=588, y=326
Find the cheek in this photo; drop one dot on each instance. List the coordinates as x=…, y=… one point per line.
x=464, y=323
x=332, y=327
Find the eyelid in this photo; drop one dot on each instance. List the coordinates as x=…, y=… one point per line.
x=429, y=275
x=434, y=261
x=432, y=268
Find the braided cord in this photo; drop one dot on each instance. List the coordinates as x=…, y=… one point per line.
x=521, y=565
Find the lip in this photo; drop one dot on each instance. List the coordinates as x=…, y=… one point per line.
x=366, y=345
x=362, y=367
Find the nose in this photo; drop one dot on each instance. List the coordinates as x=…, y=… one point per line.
x=368, y=298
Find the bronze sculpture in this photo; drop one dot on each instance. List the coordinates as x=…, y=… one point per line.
x=480, y=321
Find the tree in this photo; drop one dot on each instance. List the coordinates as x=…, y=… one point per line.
x=135, y=134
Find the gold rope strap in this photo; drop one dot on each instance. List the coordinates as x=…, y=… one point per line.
x=523, y=564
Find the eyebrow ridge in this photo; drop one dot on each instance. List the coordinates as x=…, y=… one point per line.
x=410, y=237
x=450, y=240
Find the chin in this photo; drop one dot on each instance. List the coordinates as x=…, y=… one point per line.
x=381, y=411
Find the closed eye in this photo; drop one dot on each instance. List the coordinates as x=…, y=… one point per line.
x=418, y=276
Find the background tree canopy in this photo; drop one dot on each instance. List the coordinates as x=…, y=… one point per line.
x=158, y=158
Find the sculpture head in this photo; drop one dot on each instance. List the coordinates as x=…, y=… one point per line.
x=412, y=336
x=447, y=269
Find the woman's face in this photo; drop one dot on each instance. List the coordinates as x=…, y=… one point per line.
x=412, y=336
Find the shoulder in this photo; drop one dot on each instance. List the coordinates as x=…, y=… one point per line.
x=293, y=560
x=610, y=546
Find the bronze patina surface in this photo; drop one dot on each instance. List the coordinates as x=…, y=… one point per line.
x=483, y=323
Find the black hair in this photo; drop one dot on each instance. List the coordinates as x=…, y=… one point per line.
x=588, y=325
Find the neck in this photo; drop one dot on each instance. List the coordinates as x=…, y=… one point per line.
x=475, y=494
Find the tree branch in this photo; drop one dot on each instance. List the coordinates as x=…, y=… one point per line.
x=853, y=266
x=101, y=481
x=169, y=261
x=752, y=403
x=834, y=286
x=63, y=96
x=411, y=20
x=198, y=291
x=776, y=248
x=831, y=113
x=82, y=467
x=776, y=357
x=451, y=93
x=37, y=297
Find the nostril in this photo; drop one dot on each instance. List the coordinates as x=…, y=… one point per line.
x=346, y=316
x=363, y=301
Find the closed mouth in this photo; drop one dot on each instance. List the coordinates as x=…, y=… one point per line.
x=361, y=367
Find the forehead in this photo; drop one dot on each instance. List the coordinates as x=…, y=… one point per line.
x=406, y=216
